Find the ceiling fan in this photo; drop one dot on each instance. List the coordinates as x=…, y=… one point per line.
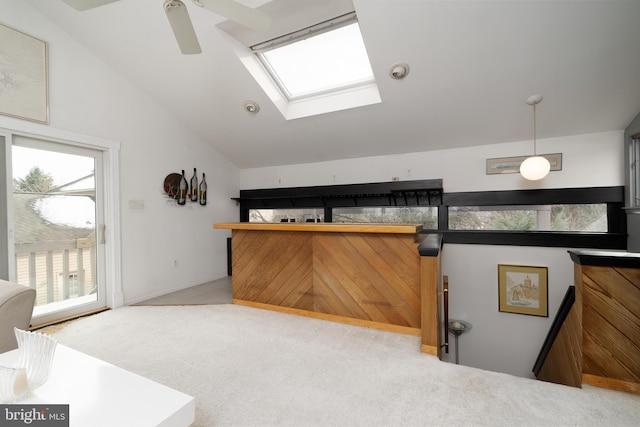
x=181, y=23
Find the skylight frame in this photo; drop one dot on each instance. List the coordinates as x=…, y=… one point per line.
x=261, y=50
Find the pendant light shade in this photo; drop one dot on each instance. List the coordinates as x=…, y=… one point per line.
x=534, y=167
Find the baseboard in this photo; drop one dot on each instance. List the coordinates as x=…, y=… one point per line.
x=406, y=330
x=611, y=383
x=429, y=349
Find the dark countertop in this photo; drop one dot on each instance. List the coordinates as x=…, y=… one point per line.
x=606, y=258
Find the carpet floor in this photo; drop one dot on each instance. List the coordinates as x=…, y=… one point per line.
x=214, y=292
x=251, y=367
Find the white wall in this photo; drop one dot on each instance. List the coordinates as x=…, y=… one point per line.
x=87, y=97
x=498, y=341
x=502, y=342
x=592, y=160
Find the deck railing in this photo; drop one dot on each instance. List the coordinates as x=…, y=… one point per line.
x=57, y=270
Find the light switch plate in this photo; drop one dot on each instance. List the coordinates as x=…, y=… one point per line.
x=136, y=204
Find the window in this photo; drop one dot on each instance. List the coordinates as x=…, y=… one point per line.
x=563, y=217
x=72, y=287
x=425, y=215
x=286, y=215
x=324, y=58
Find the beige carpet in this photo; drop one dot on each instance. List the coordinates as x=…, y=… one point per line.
x=215, y=292
x=251, y=367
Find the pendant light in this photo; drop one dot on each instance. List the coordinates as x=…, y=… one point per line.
x=534, y=167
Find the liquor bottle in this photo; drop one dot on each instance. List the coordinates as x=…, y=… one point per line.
x=194, y=187
x=203, y=191
x=182, y=190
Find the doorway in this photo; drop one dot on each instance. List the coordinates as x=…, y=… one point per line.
x=55, y=221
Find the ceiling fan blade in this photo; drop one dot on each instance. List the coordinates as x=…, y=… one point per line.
x=237, y=12
x=182, y=27
x=83, y=5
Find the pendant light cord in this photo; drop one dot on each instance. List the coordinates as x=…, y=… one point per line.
x=534, y=131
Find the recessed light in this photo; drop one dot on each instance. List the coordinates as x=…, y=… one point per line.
x=251, y=107
x=399, y=71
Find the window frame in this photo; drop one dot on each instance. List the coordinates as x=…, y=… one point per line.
x=397, y=192
x=613, y=197
x=398, y=209
x=262, y=49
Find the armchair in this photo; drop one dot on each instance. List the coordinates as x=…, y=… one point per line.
x=16, y=308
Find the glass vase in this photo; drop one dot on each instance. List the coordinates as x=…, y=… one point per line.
x=36, y=353
x=13, y=384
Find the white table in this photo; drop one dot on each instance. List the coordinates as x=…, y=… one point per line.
x=101, y=394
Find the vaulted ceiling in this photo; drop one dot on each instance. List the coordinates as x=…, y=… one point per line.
x=472, y=64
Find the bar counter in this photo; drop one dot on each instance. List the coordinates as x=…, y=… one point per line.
x=324, y=227
x=363, y=274
x=607, y=286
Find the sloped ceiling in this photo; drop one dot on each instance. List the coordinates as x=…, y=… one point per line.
x=473, y=65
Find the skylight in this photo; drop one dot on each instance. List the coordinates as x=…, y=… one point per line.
x=322, y=59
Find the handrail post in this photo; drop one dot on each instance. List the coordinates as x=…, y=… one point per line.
x=430, y=288
x=445, y=304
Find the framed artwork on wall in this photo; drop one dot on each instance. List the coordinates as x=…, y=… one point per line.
x=523, y=289
x=23, y=67
x=512, y=164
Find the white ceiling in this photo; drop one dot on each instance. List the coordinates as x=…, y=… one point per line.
x=473, y=65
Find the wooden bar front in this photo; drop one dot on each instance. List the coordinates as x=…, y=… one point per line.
x=364, y=274
x=608, y=303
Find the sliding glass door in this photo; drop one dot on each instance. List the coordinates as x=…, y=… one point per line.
x=57, y=212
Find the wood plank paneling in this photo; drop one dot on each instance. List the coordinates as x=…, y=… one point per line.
x=374, y=279
x=430, y=321
x=612, y=290
x=368, y=276
x=333, y=318
x=563, y=364
x=337, y=301
x=339, y=271
x=611, y=323
x=564, y=361
x=599, y=343
x=272, y=267
x=355, y=268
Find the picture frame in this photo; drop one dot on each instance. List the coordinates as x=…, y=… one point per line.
x=502, y=165
x=24, y=92
x=523, y=290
